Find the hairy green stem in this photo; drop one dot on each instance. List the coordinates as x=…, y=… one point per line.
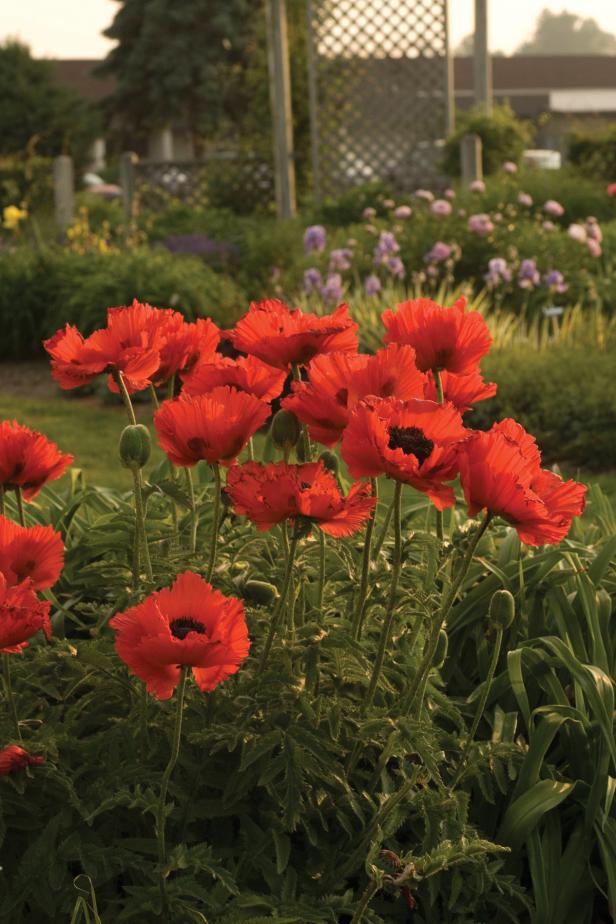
x=194, y=517
x=128, y=404
x=321, y=586
x=368, y=894
x=480, y=706
x=297, y=375
x=438, y=382
x=154, y=397
x=360, y=610
x=391, y=604
x=21, y=513
x=215, y=521
x=384, y=530
x=280, y=605
x=162, y=801
x=416, y=690
x=6, y=673
x=141, y=536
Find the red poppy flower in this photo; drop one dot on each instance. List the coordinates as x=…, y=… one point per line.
x=30, y=552
x=22, y=615
x=186, y=346
x=443, y=338
x=189, y=624
x=502, y=475
x=413, y=441
x=281, y=336
x=130, y=344
x=28, y=460
x=611, y=189
x=338, y=381
x=247, y=374
x=214, y=427
x=463, y=391
x=269, y=494
x=13, y=758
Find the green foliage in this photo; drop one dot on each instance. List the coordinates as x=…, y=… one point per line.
x=36, y=114
x=594, y=153
x=503, y=137
x=567, y=33
x=54, y=286
x=26, y=182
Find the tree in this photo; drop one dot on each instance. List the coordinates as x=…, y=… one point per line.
x=181, y=61
x=36, y=114
x=567, y=34
x=466, y=48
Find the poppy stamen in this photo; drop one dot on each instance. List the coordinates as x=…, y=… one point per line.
x=181, y=627
x=412, y=441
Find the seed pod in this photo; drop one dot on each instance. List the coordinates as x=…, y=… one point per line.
x=329, y=460
x=502, y=609
x=285, y=430
x=441, y=649
x=259, y=592
x=135, y=446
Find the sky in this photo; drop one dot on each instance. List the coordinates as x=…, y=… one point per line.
x=72, y=28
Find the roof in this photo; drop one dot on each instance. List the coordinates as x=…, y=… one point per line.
x=541, y=72
x=76, y=74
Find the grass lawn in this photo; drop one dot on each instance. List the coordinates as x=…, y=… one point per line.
x=90, y=429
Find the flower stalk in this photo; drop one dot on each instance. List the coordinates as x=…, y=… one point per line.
x=194, y=516
x=162, y=801
x=6, y=674
x=21, y=513
x=215, y=521
x=391, y=605
x=438, y=382
x=282, y=602
x=360, y=611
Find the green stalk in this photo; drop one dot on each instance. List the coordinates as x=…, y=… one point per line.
x=215, y=521
x=416, y=690
x=6, y=672
x=321, y=569
x=162, y=801
x=141, y=536
x=391, y=605
x=369, y=892
x=194, y=518
x=154, y=397
x=358, y=620
x=440, y=398
x=128, y=404
x=384, y=530
x=480, y=706
x=20, y=506
x=304, y=437
x=280, y=605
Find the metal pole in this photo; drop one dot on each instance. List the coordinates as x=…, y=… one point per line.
x=313, y=97
x=450, y=101
x=280, y=100
x=482, y=65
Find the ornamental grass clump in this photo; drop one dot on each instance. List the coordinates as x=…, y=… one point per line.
x=344, y=647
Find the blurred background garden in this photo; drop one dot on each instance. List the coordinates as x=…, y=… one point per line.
x=151, y=172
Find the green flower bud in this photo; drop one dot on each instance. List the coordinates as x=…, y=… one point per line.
x=441, y=649
x=285, y=430
x=135, y=446
x=502, y=609
x=329, y=460
x=259, y=592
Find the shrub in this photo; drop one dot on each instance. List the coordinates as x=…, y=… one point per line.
x=41, y=291
x=594, y=153
x=503, y=137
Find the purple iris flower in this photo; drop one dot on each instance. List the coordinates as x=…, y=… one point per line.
x=331, y=291
x=315, y=239
x=340, y=260
x=439, y=253
x=372, y=285
x=528, y=275
x=312, y=280
x=555, y=281
x=386, y=247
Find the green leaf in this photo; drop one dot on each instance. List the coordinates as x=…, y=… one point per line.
x=524, y=813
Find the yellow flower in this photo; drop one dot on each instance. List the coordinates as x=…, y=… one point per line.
x=11, y=216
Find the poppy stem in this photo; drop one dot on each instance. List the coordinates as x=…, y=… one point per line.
x=321, y=569
x=438, y=382
x=358, y=621
x=154, y=397
x=480, y=706
x=367, y=895
x=307, y=452
x=162, y=801
x=391, y=604
x=20, y=506
x=194, y=519
x=6, y=673
x=416, y=690
x=384, y=530
x=280, y=606
x=141, y=536
x=215, y=521
x=128, y=404
x=251, y=450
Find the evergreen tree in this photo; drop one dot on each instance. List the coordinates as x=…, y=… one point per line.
x=567, y=34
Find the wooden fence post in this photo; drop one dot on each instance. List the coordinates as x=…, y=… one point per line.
x=280, y=100
x=127, y=182
x=471, y=166
x=64, y=191
x=482, y=64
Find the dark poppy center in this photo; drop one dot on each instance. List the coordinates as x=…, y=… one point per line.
x=181, y=627
x=196, y=444
x=342, y=396
x=412, y=441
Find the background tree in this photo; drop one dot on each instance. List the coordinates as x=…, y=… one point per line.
x=37, y=115
x=567, y=34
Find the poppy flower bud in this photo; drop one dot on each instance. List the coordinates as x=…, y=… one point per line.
x=135, y=446
x=285, y=430
x=329, y=460
x=259, y=592
x=502, y=609
x=441, y=649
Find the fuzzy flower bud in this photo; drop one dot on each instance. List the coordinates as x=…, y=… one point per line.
x=135, y=446
x=285, y=430
x=502, y=609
